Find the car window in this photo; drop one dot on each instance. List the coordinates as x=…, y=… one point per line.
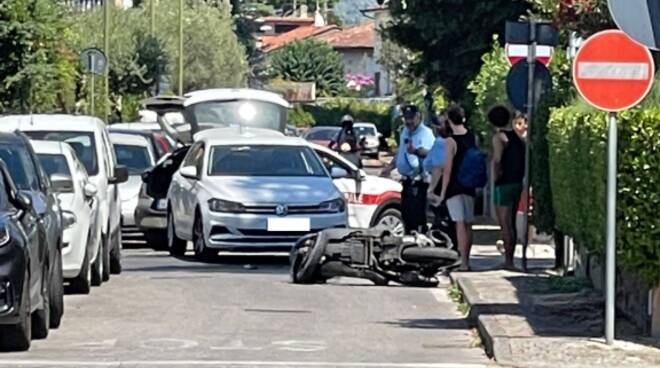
x=365, y=131
x=20, y=166
x=264, y=161
x=82, y=143
x=135, y=158
x=249, y=113
x=4, y=195
x=54, y=164
x=192, y=156
x=330, y=161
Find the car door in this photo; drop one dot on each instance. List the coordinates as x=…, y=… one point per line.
x=113, y=189
x=349, y=186
x=188, y=187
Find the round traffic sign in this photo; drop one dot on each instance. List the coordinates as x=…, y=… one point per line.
x=640, y=19
x=612, y=71
x=517, y=84
x=515, y=53
x=93, y=61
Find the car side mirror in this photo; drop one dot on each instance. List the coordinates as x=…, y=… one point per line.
x=24, y=202
x=90, y=190
x=61, y=183
x=189, y=172
x=338, y=173
x=120, y=175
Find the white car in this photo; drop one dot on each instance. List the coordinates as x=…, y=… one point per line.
x=136, y=154
x=249, y=189
x=81, y=238
x=89, y=138
x=371, y=137
x=372, y=201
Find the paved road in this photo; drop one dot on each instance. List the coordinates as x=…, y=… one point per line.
x=166, y=312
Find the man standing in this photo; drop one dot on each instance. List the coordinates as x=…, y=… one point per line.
x=460, y=199
x=415, y=143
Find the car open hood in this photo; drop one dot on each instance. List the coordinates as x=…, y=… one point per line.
x=272, y=190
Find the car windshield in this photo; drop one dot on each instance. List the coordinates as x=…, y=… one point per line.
x=20, y=165
x=365, y=131
x=248, y=113
x=264, y=161
x=135, y=158
x=322, y=134
x=54, y=164
x=81, y=142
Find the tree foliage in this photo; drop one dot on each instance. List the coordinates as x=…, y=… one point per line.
x=37, y=68
x=450, y=36
x=310, y=60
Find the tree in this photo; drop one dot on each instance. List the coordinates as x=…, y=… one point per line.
x=450, y=36
x=310, y=60
x=37, y=68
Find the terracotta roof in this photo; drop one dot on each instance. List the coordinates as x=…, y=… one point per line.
x=289, y=20
x=359, y=37
x=271, y=43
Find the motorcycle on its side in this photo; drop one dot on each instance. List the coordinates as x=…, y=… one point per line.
x=373, y=254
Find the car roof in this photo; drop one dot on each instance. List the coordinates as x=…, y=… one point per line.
x=139, y=127
x=129, y=139
x=247, y=136
x=49, y=147
x=370, y=125
x=225, y=94
x=324, y=127
x=54, y=122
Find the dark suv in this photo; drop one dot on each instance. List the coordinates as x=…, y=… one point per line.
x=31, y=180
x=24, y=307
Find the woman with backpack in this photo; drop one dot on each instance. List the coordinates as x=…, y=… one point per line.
x=465, y=171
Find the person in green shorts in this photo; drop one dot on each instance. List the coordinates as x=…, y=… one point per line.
x=509, y=165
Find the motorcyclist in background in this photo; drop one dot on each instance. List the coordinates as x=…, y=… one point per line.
x=347, y=144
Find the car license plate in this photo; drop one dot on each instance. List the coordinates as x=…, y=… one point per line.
x=288, y=224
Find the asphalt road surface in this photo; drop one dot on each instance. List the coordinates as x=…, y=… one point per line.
x=241, y=311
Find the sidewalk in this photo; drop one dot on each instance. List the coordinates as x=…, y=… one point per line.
x=538, y=320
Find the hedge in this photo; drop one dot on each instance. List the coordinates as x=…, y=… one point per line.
x=578, y=167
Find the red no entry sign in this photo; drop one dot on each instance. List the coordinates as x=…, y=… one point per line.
x=515, y=53
x=612, y=71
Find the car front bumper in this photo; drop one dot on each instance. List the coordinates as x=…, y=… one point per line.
x=12, y=273
x=249, y=232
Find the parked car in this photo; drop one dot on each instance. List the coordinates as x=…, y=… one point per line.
x=89, y=138
x=322, y=135
x=152, y=132
x=372, y=201
x=371, y=136
x=240, y=190
x=32, y=181
x=24, y=269
x=135, y=153
x=151, y=210
x=81, y=239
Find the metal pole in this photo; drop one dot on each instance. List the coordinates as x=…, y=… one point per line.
x=180, y=47
x=610, y=281
x=152, y=14
x=531, y=62
x=106, y=50
x=92, y=107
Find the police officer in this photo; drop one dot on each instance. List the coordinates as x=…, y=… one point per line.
x=414, y=145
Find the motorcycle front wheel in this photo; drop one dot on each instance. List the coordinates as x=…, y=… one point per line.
x=305, y=262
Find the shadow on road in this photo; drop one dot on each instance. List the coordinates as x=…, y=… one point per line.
x=431, y=324
x=242, y=263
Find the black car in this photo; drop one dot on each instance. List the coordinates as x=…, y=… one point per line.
x=24, y=293
x=151, y=211
x=31, y=180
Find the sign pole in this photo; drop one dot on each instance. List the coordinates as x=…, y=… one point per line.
x=92, y=62
x=611, y=230
x=531, y=61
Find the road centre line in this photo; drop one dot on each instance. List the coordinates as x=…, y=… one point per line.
x=225, y=363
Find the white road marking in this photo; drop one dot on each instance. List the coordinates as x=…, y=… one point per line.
x=301, y=346
x=236, y=345
x=94, y=345
x=168, y=344
x=226, y=363
x=613, y=71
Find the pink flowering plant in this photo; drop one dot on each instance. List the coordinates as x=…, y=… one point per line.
x=359, y=85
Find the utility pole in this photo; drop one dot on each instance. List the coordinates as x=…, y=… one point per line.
x=295, y=8
x=106, y=50
x=180, y=47
x=152, y=14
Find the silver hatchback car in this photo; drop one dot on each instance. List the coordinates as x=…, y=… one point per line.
x=249, y=190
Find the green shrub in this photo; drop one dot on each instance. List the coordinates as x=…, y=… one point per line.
x=578, y=166
x=301, y=118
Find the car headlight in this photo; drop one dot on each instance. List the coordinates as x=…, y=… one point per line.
x=68, y=219
x=4, y=235
x=160, y=204
x=220, y=205
x=334, y=206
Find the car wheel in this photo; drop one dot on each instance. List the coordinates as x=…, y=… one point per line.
x=202, y=253
x=41, y=317
x=97, y=267
x=57, y=292
x=82, y=284
x=156, y=239
x=176, y=245
x=105, y=258
x=391, y=220
x=18, y=337
x=115, y=255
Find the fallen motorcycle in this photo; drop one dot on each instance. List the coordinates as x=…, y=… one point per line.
x=373, y=254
